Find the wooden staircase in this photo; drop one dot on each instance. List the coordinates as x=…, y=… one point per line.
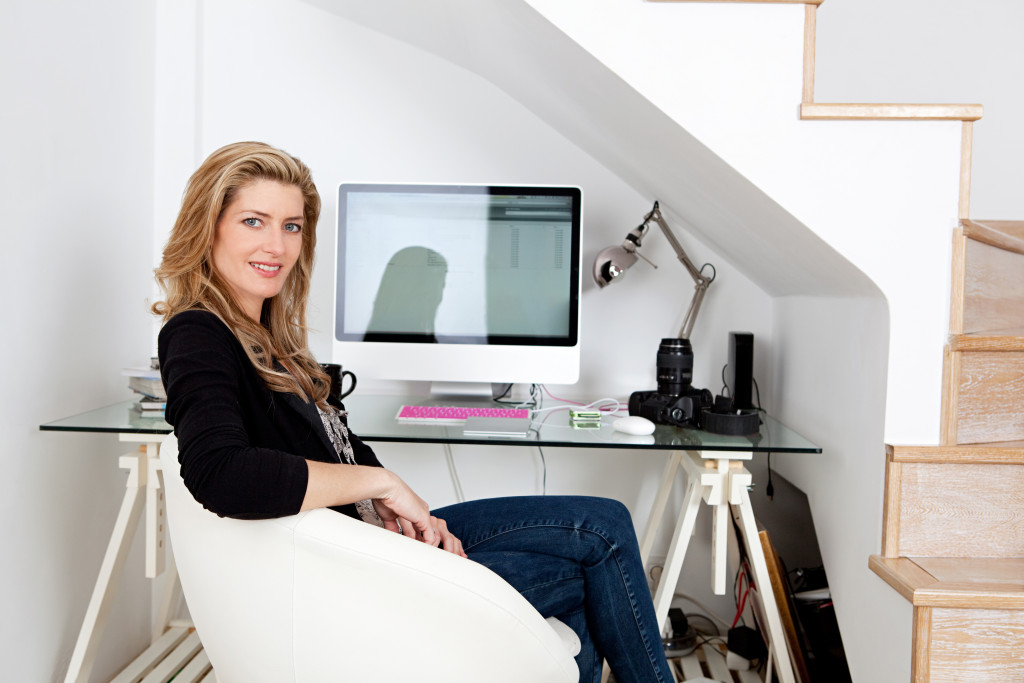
x=953, y=539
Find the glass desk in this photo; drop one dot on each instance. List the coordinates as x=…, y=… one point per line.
x=373, y=419
x=714, y=474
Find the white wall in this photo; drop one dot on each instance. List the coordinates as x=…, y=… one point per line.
x=956, y=51
x=75, y=184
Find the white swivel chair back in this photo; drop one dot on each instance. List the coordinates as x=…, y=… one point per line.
x=322, y=597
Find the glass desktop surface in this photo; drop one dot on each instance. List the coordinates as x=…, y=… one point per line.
x=372, y=417
x=120, y=418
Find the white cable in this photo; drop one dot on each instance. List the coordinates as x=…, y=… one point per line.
x=456, y=484
x=593, y=404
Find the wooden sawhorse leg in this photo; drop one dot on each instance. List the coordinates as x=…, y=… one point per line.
x=722, y=482
x=143, y=491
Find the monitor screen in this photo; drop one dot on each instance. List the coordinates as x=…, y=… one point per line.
x=467, y=283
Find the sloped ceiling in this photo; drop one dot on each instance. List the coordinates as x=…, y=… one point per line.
x=511, y=45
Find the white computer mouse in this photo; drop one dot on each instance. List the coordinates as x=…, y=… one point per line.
x=634, y=424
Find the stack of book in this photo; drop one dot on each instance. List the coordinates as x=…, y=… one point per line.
x=147, y=384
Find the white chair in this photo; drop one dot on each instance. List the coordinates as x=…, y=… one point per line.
x=322, y=597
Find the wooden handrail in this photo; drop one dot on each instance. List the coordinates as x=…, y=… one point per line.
x=891, y=112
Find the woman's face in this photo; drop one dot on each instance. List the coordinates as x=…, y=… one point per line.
x=257, y=241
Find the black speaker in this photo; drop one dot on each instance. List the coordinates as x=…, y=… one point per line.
x=739, y=373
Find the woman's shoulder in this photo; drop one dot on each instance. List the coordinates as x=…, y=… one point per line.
x=196, y=328
x=195, y=316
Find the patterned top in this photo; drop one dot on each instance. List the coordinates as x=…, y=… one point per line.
x=338, y=434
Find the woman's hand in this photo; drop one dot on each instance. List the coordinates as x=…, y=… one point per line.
x=396, y=504
x=404, y=512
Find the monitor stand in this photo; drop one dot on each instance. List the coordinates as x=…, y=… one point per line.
x=463, y=393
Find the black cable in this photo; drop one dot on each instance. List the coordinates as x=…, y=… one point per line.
x=698, y=615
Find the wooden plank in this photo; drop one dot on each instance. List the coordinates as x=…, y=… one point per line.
x=691, y=667
x=993, y=288
x=1008, y=235
x=984, y=583
x=717, y=667
x=196, y=670
x=902, y=574
x=890, y=112
x=957, y=277
x=1003, y=453
x=951, y=368
x=921, y=645
x=152, y=656
x=990, y=583
x=175, y=660
x=986, y=643
x=210, y=677
x=966, y=160
x=891, y=509
x=991, y=397
x=1005, y=340
x=810, y=39
x=784, y=600
x=961, y=510
x=969, y=596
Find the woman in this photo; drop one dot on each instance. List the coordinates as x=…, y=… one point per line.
x=260, y=437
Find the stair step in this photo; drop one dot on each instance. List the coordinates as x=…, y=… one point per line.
x=1008, y=235
x=996, y=453
x=954, y=501
x=958, y=582
x=996, y=340
x=986, y=389
x=968, y=615
x=987, y=295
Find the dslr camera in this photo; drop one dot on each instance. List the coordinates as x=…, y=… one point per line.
x=676, y=401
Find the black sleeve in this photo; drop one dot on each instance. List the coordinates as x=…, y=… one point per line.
x=206, y=375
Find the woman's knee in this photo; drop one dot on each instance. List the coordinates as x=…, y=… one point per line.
x=610, y=515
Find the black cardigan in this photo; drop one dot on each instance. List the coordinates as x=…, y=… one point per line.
x=242, y=447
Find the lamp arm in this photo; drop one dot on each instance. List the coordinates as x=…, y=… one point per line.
x=701, y=281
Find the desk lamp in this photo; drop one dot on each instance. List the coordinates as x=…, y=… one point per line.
x=676, y=402
x=613, y=262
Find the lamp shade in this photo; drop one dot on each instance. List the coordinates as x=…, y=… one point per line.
x=611, y=264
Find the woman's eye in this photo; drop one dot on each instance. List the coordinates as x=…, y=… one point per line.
x=251, y=222
x=293, y=227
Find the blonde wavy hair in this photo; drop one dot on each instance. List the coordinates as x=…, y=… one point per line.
x=190, y=282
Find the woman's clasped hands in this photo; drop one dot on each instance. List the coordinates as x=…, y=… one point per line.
x=402, y=511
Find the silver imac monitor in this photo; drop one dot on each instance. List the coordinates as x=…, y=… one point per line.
x=469, y=284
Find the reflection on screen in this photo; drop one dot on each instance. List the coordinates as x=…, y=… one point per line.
x=455, y=264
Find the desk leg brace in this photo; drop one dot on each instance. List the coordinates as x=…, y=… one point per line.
x=84, y=655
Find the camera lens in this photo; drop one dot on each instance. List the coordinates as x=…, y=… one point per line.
x=675, y=366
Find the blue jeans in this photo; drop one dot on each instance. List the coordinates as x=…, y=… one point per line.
x=575, y=558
